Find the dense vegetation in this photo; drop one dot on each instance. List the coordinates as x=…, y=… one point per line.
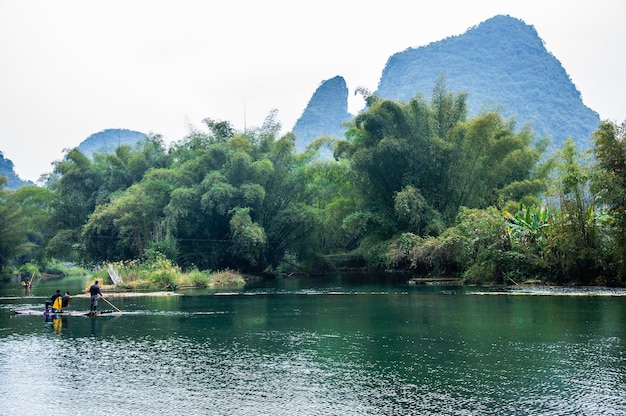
x=414, y=185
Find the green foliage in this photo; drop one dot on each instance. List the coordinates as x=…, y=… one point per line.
x=485, y=240
x=28, y=269
x=158, y=269
x=109, y=184
x=209, y=279
x=416, y=186
x=530, y=230
x=247, y=195
x=573, y=247
x=483, y=247
x=610, y=189
x=248, y=237
x=530, y=225
x=156, y=272
x=414, y=213
x=56, y=267
x=328, y=199
x=197, y=278
x=23, y=220
x=475, y=239
x=226, y=278
x=417, y=165
x=221, y=130
x=129, y=221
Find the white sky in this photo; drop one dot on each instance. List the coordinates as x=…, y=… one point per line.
x=72, y=68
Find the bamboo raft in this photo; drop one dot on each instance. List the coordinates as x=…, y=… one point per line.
x=59, y=314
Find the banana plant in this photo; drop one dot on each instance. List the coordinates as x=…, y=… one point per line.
x=529, y=224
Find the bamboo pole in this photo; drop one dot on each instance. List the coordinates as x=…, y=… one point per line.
x=112, y=305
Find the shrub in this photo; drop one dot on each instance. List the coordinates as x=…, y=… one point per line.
x=226, y=278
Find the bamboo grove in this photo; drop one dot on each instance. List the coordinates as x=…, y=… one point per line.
x=416, y=186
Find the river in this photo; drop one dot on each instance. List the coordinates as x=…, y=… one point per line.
x=340, y=345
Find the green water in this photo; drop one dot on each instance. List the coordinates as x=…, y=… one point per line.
x=334, y=346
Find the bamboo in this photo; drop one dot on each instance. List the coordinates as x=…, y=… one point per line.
x=112, y=305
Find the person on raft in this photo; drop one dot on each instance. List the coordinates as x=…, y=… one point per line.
x=57, y=301
x=95, y=292
x=66, y=300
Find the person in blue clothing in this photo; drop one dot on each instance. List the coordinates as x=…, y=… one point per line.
x=67, y=299
x=95, y=293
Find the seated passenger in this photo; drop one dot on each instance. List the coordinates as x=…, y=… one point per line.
x=66, y=299
x=57, y=301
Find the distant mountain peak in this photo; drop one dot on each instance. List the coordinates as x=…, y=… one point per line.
x=502, y=64
x=325, y=113
x=7, y=169
x=106, y=141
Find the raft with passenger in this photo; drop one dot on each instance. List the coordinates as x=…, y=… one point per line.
x=51, y=313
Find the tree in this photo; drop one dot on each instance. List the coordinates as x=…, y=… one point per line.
x=248, y=237
x=125, y=227
x=331, y=197
x=610, y=186
x=82, y=186
x=35, y=204
x=418, y=164
x=489, y=165
x=76, y=183
x=13, y=228
x=575, y=238
x=239, y=201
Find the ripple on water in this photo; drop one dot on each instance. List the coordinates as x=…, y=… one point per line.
x=291, y=370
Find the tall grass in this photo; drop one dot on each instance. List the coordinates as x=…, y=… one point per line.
x=159, y=273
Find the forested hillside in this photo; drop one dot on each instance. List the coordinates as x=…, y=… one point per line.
x=325, y=113
x=108, y=140
x=7, y=170
x=418, y=186
x=502, y=64
x=421, y=184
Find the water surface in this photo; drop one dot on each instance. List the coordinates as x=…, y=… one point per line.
x=332, y=346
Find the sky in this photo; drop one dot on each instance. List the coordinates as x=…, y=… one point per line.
x=72, y=68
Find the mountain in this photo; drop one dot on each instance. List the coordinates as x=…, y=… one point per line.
x=7, y=169
x=108, y=140
x=325, y=113
x=105, y=141
x=502, y=64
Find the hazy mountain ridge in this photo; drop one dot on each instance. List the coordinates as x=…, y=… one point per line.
x=503, y=65
x=7, y=169
x=106, y=141
x=325, y=113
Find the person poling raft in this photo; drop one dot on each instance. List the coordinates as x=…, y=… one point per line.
x=58, y=302
x=95, y=293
